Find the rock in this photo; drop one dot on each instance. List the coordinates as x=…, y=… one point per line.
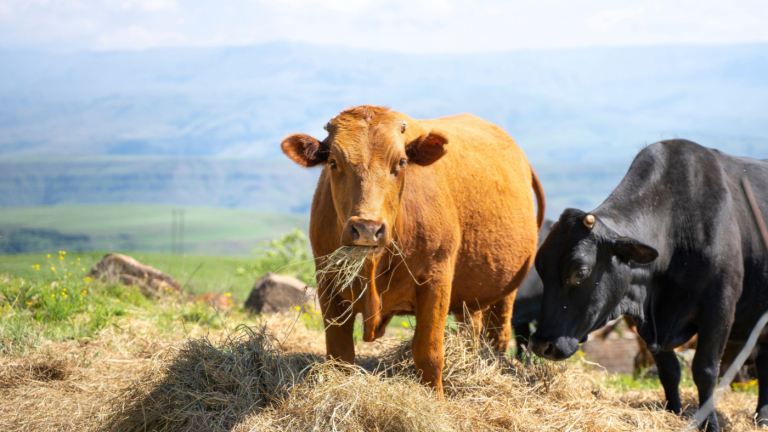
x=117, y=267
x=277, y=293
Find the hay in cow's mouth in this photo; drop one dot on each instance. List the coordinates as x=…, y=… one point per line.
x=340, y=269
x=343, y=267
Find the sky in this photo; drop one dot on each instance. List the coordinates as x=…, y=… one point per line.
x=416, y=26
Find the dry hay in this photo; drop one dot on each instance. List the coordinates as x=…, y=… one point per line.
x=247, y=383
x=735, y=411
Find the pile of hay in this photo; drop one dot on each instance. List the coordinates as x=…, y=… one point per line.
x=248, y=383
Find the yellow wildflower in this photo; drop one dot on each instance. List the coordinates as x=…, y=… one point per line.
x=78, y=259
x=61, y=258
x=84, y=292
x=29, y=304
x=71, y=262
x=227, y=295
x=53, y=269
x=82, y=269
x=405, y=324
x=53, y=295
x=49, y=255
x=70, y=273
x=37, y=266
x=33, y=266
x=87, y=279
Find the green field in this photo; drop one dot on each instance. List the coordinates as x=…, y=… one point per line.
x=199, y=273
x=207, y=230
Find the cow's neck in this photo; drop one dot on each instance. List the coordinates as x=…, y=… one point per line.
x=640, y=294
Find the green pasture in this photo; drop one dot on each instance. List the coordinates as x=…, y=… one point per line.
x=198, y=273
x=144, y=227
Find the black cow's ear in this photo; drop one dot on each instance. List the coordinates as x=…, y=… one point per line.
x=304, y=150
x=426, y=149
x=629, y=249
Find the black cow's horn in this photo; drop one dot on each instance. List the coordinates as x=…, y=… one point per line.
x=402, y=128
x=327, y=126
x=589, y=221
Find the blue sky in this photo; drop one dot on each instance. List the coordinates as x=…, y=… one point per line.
x=401, y=25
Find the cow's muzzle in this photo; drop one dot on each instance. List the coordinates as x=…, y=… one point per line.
x=365, y=232
x=559, y=348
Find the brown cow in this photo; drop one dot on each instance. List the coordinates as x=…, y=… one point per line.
x=454, y=194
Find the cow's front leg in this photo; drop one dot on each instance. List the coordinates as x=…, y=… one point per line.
x=761, y=363
x=714, y=328
x=339, y=327
x=669, y=375
x=433, y=299
x=498, y=322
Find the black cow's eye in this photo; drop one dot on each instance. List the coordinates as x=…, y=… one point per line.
x=332, y=163
x=580, y=275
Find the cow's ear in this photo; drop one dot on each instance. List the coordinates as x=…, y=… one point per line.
x=426, y=149
x=304, y=150
x=628, y=249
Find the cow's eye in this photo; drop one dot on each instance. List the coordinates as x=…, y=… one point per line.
x=332, y=164
x=580, y=275
x=402, y=162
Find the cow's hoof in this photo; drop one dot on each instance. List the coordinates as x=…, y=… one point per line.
x=762, y=417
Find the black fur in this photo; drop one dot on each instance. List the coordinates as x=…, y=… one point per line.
x=682, y=204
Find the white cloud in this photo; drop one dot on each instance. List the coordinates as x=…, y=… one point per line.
x=607, y=19
x=399, y=25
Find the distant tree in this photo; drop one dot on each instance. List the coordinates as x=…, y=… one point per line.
x=31, y=240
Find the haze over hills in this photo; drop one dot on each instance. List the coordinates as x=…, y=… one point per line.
x=217, y=115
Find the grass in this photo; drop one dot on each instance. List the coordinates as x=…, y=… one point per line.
x=200, y=273
x=144, y=227
x=68, y=345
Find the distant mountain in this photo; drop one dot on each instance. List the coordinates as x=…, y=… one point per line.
x=569, y=109
x=273, y=185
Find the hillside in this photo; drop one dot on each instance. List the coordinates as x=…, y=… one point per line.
x=571, y=105
x=208, y=231
x=202, y=127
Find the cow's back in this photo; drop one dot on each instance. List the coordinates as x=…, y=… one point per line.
x=488, y=181
x=754, y=298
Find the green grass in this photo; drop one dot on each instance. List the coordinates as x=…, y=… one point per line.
x=200, y=274
x=208, y=230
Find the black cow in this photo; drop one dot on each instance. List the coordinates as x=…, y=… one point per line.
x=676, y=248
x=528, y=301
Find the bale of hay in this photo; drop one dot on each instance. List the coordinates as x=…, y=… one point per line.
x=36, y=368
x=122, y=268
x=276, y=293
x=203, y=387
x=247, y=383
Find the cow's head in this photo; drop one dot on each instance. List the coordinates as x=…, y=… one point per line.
x=367, y=153
x=587, y=269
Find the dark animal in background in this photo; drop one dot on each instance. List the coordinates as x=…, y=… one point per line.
x=528, y=301
x=675, y=247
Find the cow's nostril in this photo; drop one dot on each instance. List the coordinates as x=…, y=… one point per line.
x=379, y=233
x=549, y=351
x=354, y=233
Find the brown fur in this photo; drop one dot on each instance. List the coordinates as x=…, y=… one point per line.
x=461, y=210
